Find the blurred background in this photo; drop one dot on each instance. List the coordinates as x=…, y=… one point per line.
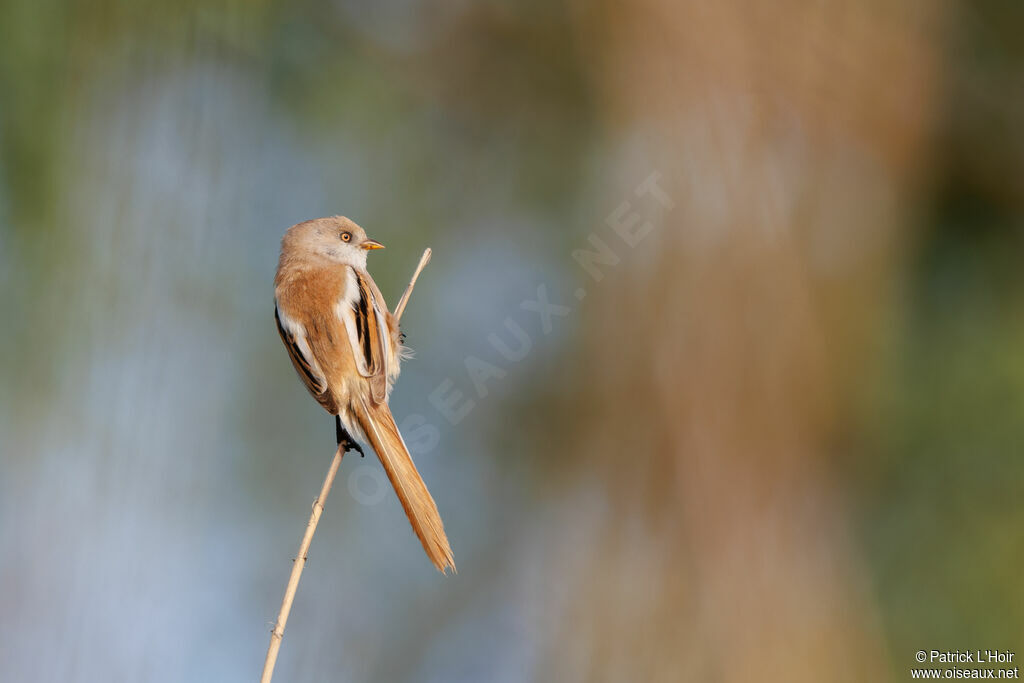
x=719, y=368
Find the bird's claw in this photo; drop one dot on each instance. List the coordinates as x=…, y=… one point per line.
x=353, y=446
x=345, y=440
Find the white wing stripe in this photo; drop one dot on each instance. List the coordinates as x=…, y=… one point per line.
x=345, y=310
x=298, y=334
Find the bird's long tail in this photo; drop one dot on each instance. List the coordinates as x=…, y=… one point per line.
x=379, y=427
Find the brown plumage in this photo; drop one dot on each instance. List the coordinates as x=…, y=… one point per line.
x=345, y=346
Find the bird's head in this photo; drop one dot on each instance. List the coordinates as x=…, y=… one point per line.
x=335, y=238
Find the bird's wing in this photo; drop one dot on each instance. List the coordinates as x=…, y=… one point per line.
x=368, y=332
x=293, y=334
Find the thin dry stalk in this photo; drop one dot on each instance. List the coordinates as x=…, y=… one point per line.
x=424, y=260
x=300, y=562
x=318, y=508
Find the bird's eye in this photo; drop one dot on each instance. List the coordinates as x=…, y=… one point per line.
x=346, y=237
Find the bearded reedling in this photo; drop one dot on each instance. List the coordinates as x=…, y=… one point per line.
x=347, y=349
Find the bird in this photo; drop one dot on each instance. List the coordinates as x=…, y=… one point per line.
x=347, y=349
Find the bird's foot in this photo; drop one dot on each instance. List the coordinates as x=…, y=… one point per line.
x=351, y=445
x=345, y=439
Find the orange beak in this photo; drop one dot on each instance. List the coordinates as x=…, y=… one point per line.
x=372, y=244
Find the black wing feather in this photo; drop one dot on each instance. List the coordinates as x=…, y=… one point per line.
x=316, y=384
